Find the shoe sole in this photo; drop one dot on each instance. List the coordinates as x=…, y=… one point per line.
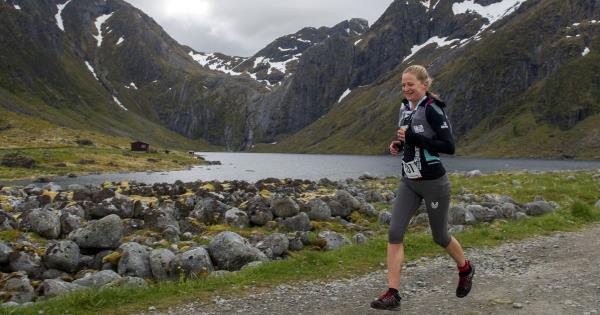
x=391, y=309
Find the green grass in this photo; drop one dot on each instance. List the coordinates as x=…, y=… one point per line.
x=106, y=159
x=574, y=197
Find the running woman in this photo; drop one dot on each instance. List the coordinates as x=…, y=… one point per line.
x=424, y=133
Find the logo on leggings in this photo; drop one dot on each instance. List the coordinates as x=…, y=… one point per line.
x=434, y=205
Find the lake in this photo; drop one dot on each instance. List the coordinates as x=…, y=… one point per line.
x=254, y=166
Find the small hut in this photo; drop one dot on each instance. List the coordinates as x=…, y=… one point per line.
x=140, y=146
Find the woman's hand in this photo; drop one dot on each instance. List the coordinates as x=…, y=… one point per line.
x=394, y=147
x=401, y=134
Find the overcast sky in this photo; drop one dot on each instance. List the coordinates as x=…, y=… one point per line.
x=242, y=27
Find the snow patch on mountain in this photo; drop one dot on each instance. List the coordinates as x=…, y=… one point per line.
x=58, y=16
x=99, y=22
x=585, y=51
x=213, y=62
x=17, y=7
x=287, y=49
x=121, y=40
x=441, y=42
x=119, y=103
x=133, y=86
x=492, y=12
x=348, y=91
x=89, y=66
x=357, y=42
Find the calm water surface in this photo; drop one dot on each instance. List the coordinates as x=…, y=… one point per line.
x=254, y=166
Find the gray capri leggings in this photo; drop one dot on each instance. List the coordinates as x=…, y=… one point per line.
x=436, y=193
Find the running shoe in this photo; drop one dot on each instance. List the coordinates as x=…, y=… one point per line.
x=387, y=301
x=465, y=282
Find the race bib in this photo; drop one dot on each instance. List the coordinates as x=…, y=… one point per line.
x=411, y=169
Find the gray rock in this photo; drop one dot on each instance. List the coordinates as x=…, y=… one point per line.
x=385, y=218
x=5, y=251
x=30, y=263
x=474, y=173
x=421, y=218
x=53, y=274
x=359, y=238
x=300, y=222
x=274, y=245
x=319, y=210
x=127, y=282
x=192, y=263
x=538, y=208
x=260, y=217
x=456, y=229
x=337, y=209
x=134, y=260
x=160, y=218
x=105, y=233
x=469, y=217
x=230, y=251
x=55, y=287
x=347, y=200
x=46, y=223
x=19, y=288
x=506, y=210
x=284, y=207
x=375, y=195
x=76, y=210
x=252, y=264
x=237, y=218
x=63, y=255
x=597, y=204
x=171, y=233
x=333, y=240
x=97, y=279
x=368, y=210
x=482, y=214
x=295, y=244
x=571, y=178
x=70, y=223
x=366, y=176
x=456, y=215
x=160, y=263
x=52, y=187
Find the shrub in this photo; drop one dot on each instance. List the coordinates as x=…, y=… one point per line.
x=84, y=142
x=584, y=211
x=17, y=160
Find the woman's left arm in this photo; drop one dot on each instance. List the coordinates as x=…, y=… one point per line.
x=443, y=142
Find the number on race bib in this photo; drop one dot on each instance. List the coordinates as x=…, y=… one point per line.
x=411, y=170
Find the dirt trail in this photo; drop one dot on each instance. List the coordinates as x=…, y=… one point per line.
x=558, y=274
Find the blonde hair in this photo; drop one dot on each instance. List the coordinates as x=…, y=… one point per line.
x=422, y=75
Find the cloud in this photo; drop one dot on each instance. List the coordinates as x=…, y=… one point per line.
x=242, y=27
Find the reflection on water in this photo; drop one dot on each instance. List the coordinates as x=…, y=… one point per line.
x=254, y=166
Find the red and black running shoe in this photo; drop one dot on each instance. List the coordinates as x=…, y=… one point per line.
x=387, y=301
x=465, y=281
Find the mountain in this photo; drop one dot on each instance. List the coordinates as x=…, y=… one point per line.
x=520, y=78
x=107, y=66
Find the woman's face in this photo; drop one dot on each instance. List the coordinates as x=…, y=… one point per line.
x=413, y=89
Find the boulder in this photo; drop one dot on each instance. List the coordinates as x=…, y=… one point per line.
x=284, y=207
x=333, y=240
x=29, y=263
x=456, y=215
x=260, y=217
x=192, y=263
x=55, y=287
x=319, y=210
x=230, y=251
x=300, y=222
x=539, y=207
x=97, y=279
x=19, y=289
x=160, y=263
x=385, y=218
x=5, y=252
x=7, y=222
x=337, y=209
x=474, y=173
x=359, y=238
x=63, y=255
x=482, y=214
x=70, y=223
x=134, y=260
x=237, y=218
x=520, y=216
x=274, y=245
x=160, y=218
x=127, y=282
x=368, y=210
x=506, y=210
x=597, y=204
x=347, y=200
x=420, y=219
x=105, y=233
x=46, y=223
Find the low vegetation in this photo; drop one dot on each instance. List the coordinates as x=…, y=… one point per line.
x=575, y=194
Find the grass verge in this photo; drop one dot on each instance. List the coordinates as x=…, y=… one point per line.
x=574, y=197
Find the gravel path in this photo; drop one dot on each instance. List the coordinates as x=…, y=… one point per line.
x=558, y=274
